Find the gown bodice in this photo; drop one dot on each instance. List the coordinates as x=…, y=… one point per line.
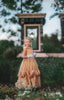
x=29, y=51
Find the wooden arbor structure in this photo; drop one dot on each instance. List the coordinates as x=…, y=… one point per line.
x=32, y=26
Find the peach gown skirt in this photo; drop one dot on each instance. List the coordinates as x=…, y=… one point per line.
x=28, y=67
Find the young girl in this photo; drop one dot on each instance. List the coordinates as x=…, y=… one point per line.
x=29, y=73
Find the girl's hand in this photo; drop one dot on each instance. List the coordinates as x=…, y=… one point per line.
x=25, y=57
x=37, y=73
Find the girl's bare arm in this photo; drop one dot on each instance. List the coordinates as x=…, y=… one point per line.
x=24, y=52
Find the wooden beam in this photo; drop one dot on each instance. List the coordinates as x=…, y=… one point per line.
x=44, y=55
x=61, y=15
x=31, y=15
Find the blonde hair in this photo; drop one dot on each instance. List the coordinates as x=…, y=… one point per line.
x=28, y=39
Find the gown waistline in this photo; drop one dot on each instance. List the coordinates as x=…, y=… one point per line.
x=30, y=56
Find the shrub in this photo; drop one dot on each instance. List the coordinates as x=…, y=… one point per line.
x=52, y=70
x=4, y=69
x=12, y=52
x=50, y=48
x=9, y=64
x=4, y=44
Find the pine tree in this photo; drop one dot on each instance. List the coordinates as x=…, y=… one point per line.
x=9, y=9
x=58, y=6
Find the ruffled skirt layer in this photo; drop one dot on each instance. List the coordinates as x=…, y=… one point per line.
x=29, y=74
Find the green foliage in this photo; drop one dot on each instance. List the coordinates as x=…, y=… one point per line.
x=13, y=19
x=4, y=70
x=0, y=26
x=4, y=44
x=52, y=71
x=5, y=13
x=25, y=6
x=50, y=48
x=29, y=5
x=3, y=30
x=33, y=6
x=11, y=92
x=7, y=91
x=51, y=44
x=6, y=21
x=10, y=63
x=11, y=66
x=59, y=7
x=59, y=4
x=11, y=4
x=12, y=52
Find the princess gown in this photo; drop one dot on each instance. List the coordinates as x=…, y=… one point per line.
x=28, y=67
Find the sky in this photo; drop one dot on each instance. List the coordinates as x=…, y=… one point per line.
x=53, y=24
x=50, y=26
